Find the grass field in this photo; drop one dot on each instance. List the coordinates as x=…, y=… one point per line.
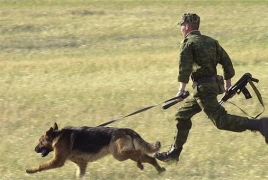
x=82, y=63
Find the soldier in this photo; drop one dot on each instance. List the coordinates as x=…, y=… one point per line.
x=199, y=56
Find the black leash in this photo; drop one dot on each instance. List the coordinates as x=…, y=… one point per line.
x=166, y=104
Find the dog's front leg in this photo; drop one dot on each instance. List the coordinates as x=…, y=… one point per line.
x=81, y=168
x=53, y=163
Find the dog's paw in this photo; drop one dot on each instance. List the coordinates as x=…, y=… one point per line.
x=30, y=171
x=162, y=169
x=140, y=166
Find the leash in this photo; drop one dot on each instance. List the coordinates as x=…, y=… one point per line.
x=166, y=104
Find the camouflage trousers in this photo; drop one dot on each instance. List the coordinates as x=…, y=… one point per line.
x=205, y=99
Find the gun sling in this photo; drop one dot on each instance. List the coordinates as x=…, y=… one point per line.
x=259, y=98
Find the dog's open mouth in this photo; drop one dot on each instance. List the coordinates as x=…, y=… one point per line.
x=44, y=152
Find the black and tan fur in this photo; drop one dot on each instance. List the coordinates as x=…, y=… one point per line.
x=87, y=144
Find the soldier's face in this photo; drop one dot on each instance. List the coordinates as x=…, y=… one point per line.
x=183, y=29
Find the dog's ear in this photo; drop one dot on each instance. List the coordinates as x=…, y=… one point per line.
x=55, y=127
x=49, y=132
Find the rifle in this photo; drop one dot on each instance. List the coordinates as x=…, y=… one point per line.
x=238, y=87
x=174, y=100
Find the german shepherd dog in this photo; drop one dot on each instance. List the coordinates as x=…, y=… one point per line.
x=87, y=144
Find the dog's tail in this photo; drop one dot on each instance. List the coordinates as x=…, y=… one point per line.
x=146, y=147
x=143, y=145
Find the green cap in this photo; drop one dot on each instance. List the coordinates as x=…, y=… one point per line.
x=190, y=18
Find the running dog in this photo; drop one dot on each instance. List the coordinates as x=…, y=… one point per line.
x=82, y=145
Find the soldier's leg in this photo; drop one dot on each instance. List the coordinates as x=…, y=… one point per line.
x=225, y=121
x=207, y=99
x=184, y=124
x=222, y=120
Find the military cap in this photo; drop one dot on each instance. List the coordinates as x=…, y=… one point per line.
x=190, y=18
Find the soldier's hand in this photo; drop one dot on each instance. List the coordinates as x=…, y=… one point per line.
x=229, y=93
x=180, y=92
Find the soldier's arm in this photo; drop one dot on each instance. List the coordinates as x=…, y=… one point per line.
x=226, y=62
x=186, y=61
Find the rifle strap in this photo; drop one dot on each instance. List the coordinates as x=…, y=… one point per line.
x=259, y=98
x=242, y=110
x=258, y=95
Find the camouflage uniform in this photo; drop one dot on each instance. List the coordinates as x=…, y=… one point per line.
x=199, y=56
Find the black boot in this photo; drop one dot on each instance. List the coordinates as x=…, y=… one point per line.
x=260, y=125
x=264, y=128
x=170, y=155
x=254, y=125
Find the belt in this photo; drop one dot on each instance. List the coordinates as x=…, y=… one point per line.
x=206, y=80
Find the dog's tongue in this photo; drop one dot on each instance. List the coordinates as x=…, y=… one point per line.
x=43, y=153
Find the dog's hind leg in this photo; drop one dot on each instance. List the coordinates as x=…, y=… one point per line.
x=123, y=149
x=119, y=147
x=151, y=160
x=134, y=155
x=137, y=159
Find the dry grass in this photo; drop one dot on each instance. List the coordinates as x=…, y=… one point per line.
x=84, y=63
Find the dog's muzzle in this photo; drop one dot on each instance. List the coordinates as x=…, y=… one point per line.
x=43, y=150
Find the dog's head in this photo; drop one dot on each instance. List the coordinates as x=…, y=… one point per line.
x=45, y=142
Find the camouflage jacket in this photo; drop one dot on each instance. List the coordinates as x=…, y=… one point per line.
x=199, y=56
